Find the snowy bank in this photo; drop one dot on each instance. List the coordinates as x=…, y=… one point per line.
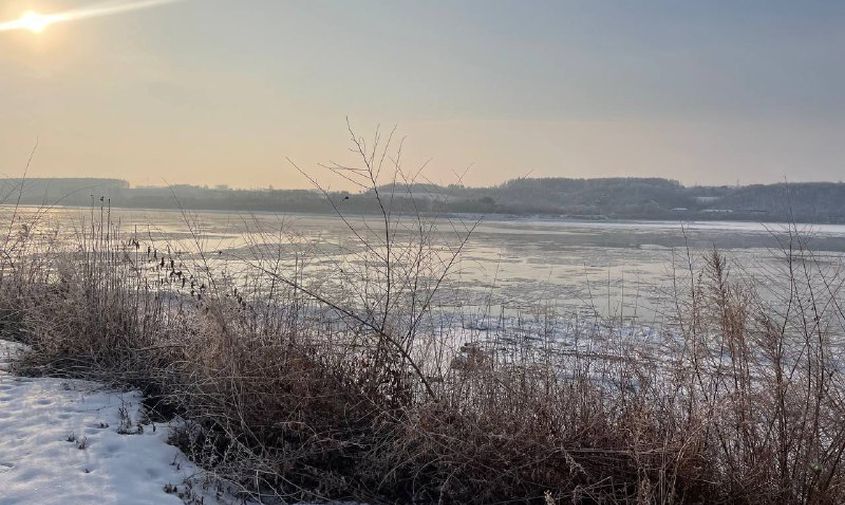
x=70, y=442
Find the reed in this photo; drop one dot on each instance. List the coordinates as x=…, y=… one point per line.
x=297, y=385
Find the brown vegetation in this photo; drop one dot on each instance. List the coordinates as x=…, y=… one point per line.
x=295, y=384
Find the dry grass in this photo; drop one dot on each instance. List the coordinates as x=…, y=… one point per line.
x=298, y=386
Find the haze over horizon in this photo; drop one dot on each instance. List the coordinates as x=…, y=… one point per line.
x=221, y=92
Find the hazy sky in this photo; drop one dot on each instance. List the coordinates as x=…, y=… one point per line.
x=221, y=91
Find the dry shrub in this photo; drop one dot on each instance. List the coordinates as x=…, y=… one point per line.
x=294, y=384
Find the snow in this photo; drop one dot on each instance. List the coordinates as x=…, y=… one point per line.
x=59, y=445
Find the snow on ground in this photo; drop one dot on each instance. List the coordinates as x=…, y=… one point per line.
x=64, y=442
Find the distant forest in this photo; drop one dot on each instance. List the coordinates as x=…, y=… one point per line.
x=596, y=199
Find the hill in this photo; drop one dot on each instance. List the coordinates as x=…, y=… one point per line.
x=607, y=198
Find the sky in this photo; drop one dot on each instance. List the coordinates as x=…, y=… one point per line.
x=225, y=91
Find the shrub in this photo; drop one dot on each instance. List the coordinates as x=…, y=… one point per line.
x=296, y=384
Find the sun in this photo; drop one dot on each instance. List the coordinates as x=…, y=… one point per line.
x=34, y=21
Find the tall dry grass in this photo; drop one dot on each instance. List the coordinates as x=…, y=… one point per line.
x=295, y=384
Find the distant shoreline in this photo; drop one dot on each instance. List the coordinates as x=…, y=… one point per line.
x=646, y=199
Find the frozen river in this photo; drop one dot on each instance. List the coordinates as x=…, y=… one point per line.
x=620, y=269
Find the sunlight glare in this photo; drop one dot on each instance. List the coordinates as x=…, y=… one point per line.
x=34, y=21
